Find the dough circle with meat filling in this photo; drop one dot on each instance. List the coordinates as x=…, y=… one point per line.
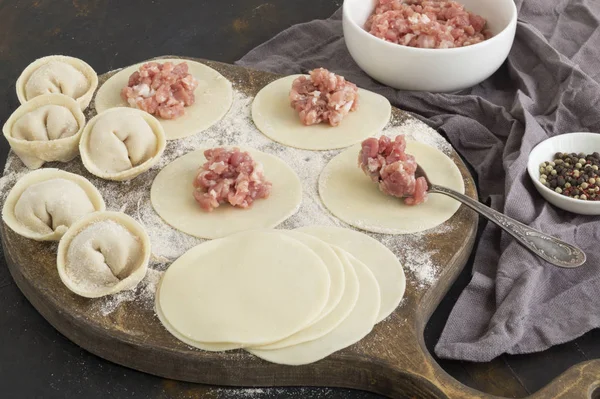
x=276, y=119
x=172, y=198
x=58, y=74
x=121, y=143
x=352, y=197
x=45, y=129
x=103, y=253
x=214, y=96
x=45, y=203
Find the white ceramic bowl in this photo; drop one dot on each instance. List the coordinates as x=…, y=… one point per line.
x=436, y=70
x=544, y=152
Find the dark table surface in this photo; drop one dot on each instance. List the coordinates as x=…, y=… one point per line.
x=38, y=362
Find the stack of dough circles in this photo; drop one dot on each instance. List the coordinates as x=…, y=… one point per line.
x=276, y=119
x=355, y=199
x=252, y=288
x=352, y=329
x=103, y=253
x=45, y=129
x=172, y=198
x=58, y=74
x=208, y=298
x=43, y=204
x=379, y=259
x=121, y=143
x=213, y=98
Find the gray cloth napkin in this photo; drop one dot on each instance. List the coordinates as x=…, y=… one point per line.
x=550, y=85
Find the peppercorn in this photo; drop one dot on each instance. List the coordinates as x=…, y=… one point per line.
x=573, y=175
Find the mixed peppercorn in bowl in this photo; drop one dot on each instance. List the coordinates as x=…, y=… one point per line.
x=565, y=171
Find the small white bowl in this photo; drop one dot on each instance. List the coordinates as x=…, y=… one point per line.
x=436, y=70
x=544, y=152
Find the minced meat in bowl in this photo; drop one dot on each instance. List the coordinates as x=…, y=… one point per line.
x=463, y=46
x=427, y=24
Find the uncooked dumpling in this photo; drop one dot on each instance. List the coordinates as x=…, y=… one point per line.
x=103, y=253
x=276, y=119
x=45, y=129
x=48, y=122
x=45, y=203
x=214, y=96
x=58, y=74
x=121, y=143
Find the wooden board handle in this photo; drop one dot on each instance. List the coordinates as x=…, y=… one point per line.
x=580, y=381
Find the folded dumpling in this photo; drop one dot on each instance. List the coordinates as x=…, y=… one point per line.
x=58, y=74
x=103, y=253
x=120, y=143
x=45, y=129
x=45, y=203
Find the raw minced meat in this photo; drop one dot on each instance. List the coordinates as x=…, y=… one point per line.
x=163, y=90
x=324, y=97
x=386, y=163
x=426, y=24
x=229, y=176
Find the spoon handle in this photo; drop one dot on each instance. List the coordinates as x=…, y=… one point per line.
x=552, y=250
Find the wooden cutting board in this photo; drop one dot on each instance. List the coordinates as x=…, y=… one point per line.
x=392, y=360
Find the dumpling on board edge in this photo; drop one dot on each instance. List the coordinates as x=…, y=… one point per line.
x=43, y=204
x=45, y=129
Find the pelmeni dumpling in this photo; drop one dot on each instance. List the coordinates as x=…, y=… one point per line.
x=45, y=203
x=45, y=129
x=103, y=253
x=120, y=143
x=58, y=74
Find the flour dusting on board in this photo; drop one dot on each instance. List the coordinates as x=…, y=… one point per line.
x=237, y=128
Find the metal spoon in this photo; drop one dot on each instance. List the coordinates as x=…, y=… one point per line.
x=551, y=249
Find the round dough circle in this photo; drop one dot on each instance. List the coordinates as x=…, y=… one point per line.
x=87, y=71
x=253, y=288
x=273, y=115
x=379, y=259
x=133, y=276
x=333, y=319
x=356, y=326
x=115, y=115
x=207, y=346
x=39, y=176
x=352, y=197
x=332, y=261
x=333, y=313
x=172, y=198
x=214, y=96
x=35, y=153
